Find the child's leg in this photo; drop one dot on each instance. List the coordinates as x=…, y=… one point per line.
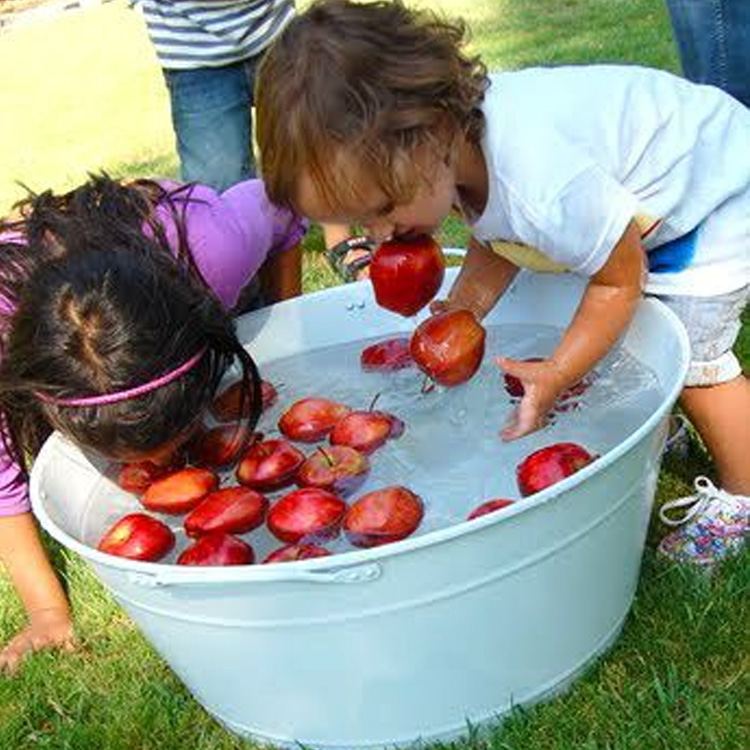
x=714, y=521
x=721, y=415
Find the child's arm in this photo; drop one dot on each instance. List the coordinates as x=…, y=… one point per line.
x=480, y=283
x=50, y=623
x=606, y=308
x=281, y=275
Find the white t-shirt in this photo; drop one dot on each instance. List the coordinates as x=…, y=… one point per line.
x=575, y=153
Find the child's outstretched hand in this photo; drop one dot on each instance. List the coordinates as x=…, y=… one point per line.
x=47, y=628
x=543, y=383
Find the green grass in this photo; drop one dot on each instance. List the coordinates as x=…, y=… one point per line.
x=84, y=93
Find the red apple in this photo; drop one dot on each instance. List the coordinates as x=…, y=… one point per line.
x=226, y=406
x=136, y=476
x=490, y=506
x=137, y=536
x=234, y=510
x=549, y=465
x=294, y=552
x=391, y=354
x=406, y=274
x=449, y=346
x=306, y=513
x=337, y=468
x=179, y=491
x=366, y=430
x=269, y=465
x=515, y=389
x=217, y=548
x=220, y=446
x=311, y=419
x=383, y=516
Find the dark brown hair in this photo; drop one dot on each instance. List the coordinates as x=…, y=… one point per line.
x=93, y=300
x=378, y=80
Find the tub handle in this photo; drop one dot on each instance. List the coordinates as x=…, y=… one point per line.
x=353, y=574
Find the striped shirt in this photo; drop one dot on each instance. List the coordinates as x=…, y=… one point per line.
x=190, y=34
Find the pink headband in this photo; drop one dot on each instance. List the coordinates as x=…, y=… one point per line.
x=139, y=390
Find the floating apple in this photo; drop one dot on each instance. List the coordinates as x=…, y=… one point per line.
x=294, y=552
x=269, y=465
x=217, y=548
x=388, y=355
x=180, y=491
x=220, y=446
x=234, y=510
x=514, y=386
x=137, y=536
x=306, y=513
x=383, y=516
x=366, y=430
x=311, y=419
x=406, y=274
x=549, y=465
x=490, y=506
x=337, y=468
x=226, y=407
x=449, y=346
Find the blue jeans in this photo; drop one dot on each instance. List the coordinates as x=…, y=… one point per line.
x=213, y=122
x=713, y=37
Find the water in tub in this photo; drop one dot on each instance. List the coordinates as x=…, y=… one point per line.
x=450, y=453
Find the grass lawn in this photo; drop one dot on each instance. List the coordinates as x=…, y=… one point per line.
x=83, y=92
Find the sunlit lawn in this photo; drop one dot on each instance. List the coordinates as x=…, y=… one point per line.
x=83, y=93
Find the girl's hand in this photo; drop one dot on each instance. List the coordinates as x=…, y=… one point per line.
x=47, y=628
x=543, y=382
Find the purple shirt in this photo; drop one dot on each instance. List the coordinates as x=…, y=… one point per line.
x=230, y=235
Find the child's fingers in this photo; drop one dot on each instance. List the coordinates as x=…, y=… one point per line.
x=14, y=652
x=34, y=639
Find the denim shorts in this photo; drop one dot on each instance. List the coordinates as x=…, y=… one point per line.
x=712, y=324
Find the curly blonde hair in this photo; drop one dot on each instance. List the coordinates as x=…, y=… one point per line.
x=376, y=80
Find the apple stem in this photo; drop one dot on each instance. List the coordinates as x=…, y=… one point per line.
x=427, y=385
x=327, y=456
x=374, y=401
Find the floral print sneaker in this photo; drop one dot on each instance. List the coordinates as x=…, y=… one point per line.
x=713, y=527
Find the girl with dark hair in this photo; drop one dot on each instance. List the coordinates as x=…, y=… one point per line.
x=116, y=330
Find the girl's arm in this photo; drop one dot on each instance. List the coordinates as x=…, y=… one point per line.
x=50, y=623
x=281, y=275
x=603, y=314
x=480, y=283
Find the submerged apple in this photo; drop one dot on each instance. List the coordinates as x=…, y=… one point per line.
x=311, y=419
x=234, y=510
x=337, y=468
x=136, y=476
x=306, y=513
x=406, y=274
x=490, y=506
x=217, y=548
x=386, y=356
x=366, y=430
x=549, y=465
x=227, y=406
x=294, y=552
x=220, y=446
x=383, y=516
x=179, y=491
x=137, y=536
x=449, y=346
x=269, y=465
